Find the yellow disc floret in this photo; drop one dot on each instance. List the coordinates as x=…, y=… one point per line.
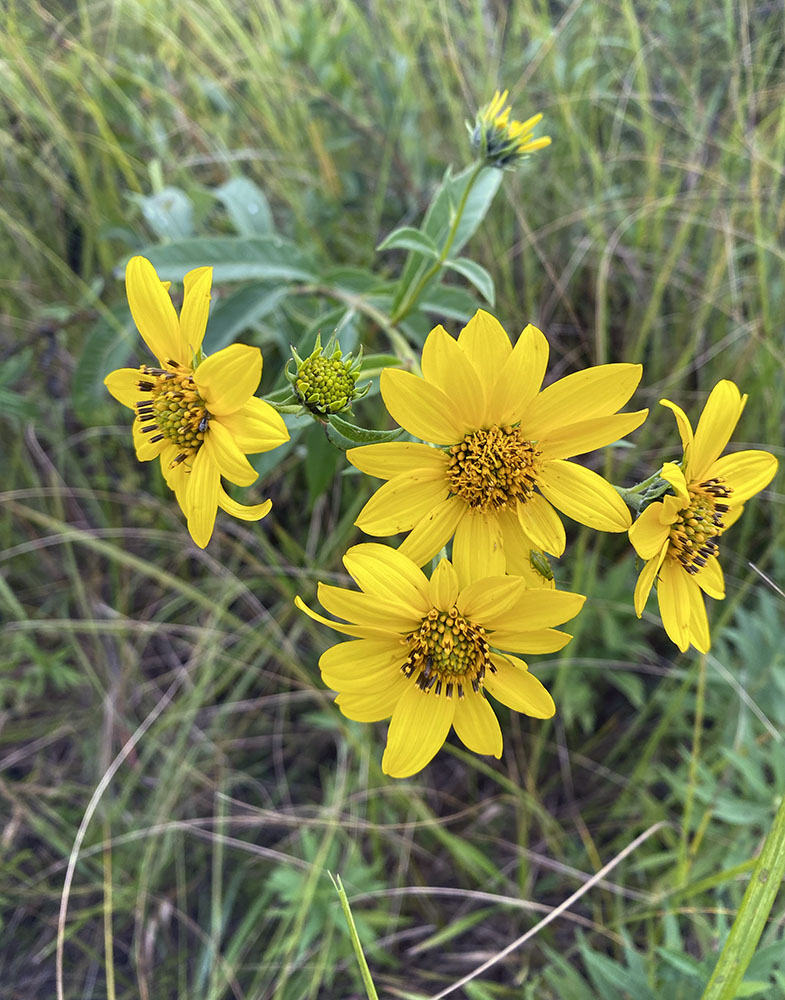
x=174, y=409
x=494, y=468
x=693, y=534
x=446, y=653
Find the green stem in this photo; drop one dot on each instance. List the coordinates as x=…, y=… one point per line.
x=630, y=497
x=411, y=299
x=753, y=913
x=365, y=972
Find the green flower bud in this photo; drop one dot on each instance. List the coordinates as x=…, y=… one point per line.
x=326, y=381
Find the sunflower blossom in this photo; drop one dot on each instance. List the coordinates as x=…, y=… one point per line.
x=678, y=536
x=499, y=141
x=501, y=464
x=198, y=415
x=427, y=651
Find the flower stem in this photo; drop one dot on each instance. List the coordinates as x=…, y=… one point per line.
x=630, y=497
x=365, y=972
x=410, y=300
x=753, y=913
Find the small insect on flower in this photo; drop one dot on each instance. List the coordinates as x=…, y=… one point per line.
x=198, y=415
x=679, y=535
x=428, y=651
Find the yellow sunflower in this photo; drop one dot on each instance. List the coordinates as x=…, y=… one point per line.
x=501, y=464
x=198, y=415
x=427, y=651
x=503, y=142
x=678, y=535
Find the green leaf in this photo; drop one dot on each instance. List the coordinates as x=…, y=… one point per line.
x=476, y=274
x=408, y=238
x=345, y=435
x=449, y=301
x=170, y=213
x=246, y=206
x=320, y=462
x=375, y=362
x=235, y=258
x=108, y=346
x=238, y=311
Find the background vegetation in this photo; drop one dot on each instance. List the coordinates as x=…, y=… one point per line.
x=649, y=231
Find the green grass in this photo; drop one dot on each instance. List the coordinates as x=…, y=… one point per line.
x=649, y=231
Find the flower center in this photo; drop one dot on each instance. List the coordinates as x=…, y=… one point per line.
x=494, y=468
x=693, y=534
x=173, y=408
x=447, y=651
x=325, y=385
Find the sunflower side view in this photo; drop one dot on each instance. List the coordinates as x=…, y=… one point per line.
x=199, y=416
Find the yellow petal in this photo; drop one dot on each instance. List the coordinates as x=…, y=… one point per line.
x=357, y=631
x=419, y=727
x=540, y=522
x=368, y=609
x=518, y=549
x=226, y=456
x=671, y=507
x=746, y=472
x=584, y=496
x=476, y=724
x=711, y=579
x=513, y=685
x=685, y=428
x=253, y=512
x=393, y=458
x=421, y=408
x=537, y=609
x=594, y=392
x=400, y=503
x=153, y=312
x=379, y=569
x=732, y=516
x=674, y=599
x=123, y=383
x=146, y=450
x=432, y=533
x=375, y=705
x=485, y=343
x=368, y=675
x=443, y=587
x=646, y=580
x=478, y=548
x=543, y=640
x=648, y=533
x=672, y=474
x=577, y=439
x=349, y=660
x=489, y=602
x=520, y=379
x=256, y=426
x=445, y=366
x=202, y=497
x=717, y=422
x=196, y=308
x=699, y=623
x=176, y=476
x=227, y=380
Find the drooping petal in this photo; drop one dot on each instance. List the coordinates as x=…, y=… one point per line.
x=153, y=312
x=379, y=569
x=587, y=435
x=746, y=472
x=478, y=547
x=584, y=496
x=445, y=366
x=543, y=640
x=443, y=587
x=245, y=512
x=540, y=522
x=711, y=579
x=226, y=456
x=520, y=379
x=717, y=422
x=476, y=724
x=176, y=476
x=374, y=705
x=648, y=532
x=146, y=450
x=672, y=474
x=684, y=425
x=367, y=609
x=421, y=408
x=227, y=379
x=700, y=636
x=123, y=383
x=485, y=343
x=393, y=458
x=403, y=501
x=646, y=579
x=356, y=631
x=489, y=601
x=513, y=685
x=202, y=497
x=432, y=533
x=593, y=392
x=256, y=426
x=418, y=728
x=673, y=596
x=196, y=308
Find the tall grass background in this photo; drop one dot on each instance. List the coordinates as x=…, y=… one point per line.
x=649, y=231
